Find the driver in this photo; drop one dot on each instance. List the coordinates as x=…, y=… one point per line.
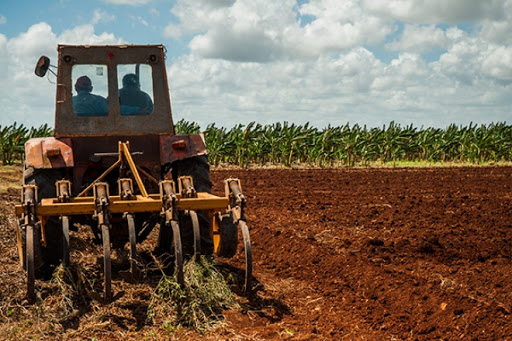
x=133, y=100
x=85, y=103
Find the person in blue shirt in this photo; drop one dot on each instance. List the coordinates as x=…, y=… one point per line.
x=133, y=100
x=85, y=103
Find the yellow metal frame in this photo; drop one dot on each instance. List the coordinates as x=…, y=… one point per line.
x=86, y=205
x=144, y=202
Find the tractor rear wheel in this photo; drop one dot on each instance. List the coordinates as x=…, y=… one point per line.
x=197, y=167
x=45, y=258
x=227, y=242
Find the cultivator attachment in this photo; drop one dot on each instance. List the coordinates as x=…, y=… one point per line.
x=226, y=215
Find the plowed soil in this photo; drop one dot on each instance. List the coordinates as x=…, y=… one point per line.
x=339, y=254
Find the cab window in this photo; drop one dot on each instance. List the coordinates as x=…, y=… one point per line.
x=90, y=87
x=136, y=92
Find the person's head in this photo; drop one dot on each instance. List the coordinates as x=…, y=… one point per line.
x=83, y=84
x=131, y=80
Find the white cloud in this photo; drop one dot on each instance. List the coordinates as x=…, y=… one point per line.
x=140, y=20
x=437, y=11
x=31, y=100
x=271, y=61
x=342, y=24
x=173, y=31
x=471, y=59
x=499, y=31
x=100, y=16
x=498, y=63
x=4, y=56
x=351, y=87
x=3, y=20
x=84, y=35
x=250, y=45
x=262, y=30
x=420, y=39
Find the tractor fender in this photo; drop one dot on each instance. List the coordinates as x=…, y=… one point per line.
x=48, y=152
x=179, y=147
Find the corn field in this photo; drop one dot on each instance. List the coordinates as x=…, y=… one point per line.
x=290, y=144
x=13, y=138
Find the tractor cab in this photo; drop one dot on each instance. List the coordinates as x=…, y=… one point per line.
x=110, y=90
x=104, y=95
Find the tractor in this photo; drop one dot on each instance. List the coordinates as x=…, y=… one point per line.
x=116, y=165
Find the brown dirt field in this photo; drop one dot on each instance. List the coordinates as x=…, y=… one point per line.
x=354, y=254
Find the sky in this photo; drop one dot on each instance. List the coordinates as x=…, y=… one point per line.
x=327, y=62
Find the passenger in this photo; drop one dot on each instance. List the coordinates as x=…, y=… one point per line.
x=85, y=103
x=133, y=100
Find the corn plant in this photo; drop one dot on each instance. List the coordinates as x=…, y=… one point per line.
x=289, y=144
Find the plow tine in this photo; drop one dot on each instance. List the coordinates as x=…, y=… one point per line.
x=133, y=242
x=170, y=214
x=30, y=240
x=65, y=240
x=197, y=234
x=248, y=257
x=107, y=265
x=178, y=253
x=62, y=189
x=187, y=190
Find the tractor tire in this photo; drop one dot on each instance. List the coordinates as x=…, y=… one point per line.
x=46, y=258
x=228, y=237
x=197, y=167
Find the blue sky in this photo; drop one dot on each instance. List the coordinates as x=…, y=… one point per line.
x=137, y=24
x=325, y=61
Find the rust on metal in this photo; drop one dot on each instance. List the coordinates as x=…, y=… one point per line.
x=62, y=188
x=114, y=124
x=49, y=152
x=189, y=146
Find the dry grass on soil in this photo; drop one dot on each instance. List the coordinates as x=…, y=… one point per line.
x=154, y=307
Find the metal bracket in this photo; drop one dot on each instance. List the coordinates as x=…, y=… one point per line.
x=62, y=189
x=168, y=198
x=237, y=201
x=29, y=195
x=125, y=188
x=101, y=200
x=186, y=187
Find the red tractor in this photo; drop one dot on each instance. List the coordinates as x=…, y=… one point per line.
x=116, y=165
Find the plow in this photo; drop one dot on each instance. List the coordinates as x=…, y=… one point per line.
x=168, y=203
x=154, y=180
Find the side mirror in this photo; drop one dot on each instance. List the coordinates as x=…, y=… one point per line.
x=42, y=66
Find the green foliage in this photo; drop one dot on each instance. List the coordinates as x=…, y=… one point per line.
x=290, y=144
x=183, y=127
x=13, y=138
